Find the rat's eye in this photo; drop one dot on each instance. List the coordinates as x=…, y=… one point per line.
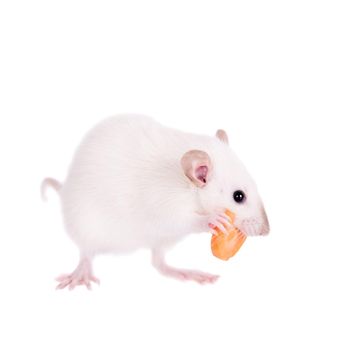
x=239, y=196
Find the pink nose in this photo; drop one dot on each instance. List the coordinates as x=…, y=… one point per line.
x=265, y=227
x=265, y=230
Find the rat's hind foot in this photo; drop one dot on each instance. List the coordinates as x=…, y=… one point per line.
x=82, y=275
x=181, y=274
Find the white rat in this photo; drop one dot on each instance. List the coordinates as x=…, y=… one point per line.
x=134, y=183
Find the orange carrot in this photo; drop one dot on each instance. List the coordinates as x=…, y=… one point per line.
x=224, y=246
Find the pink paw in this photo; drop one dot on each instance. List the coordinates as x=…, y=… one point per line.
x=222, y=221
x=71, y=281
x=82, y=275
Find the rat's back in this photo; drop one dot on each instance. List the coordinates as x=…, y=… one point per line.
x=117, y=193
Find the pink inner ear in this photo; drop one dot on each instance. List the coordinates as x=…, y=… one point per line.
x=201, y=173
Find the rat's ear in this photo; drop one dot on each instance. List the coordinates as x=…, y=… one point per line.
x=197, y=167
x=222, y=136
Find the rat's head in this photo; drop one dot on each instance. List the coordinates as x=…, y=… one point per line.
x=222, y=182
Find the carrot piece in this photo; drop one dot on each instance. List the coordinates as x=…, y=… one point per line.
x=224, y=246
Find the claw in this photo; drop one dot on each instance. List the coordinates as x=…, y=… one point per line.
x=95, y=280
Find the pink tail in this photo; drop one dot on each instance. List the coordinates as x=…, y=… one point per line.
x=56, y=185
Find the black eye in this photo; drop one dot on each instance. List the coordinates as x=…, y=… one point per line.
x=239, y=196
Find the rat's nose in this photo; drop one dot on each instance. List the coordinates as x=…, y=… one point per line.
x=265, y=230
x=265, y=227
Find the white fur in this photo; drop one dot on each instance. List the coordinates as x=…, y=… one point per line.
x=126, y=189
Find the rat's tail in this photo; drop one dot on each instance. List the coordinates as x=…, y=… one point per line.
x=56, y=185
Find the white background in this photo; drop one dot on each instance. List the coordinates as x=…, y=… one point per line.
x=274, y=74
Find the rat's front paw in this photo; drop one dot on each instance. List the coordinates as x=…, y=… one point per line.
x=221, y=221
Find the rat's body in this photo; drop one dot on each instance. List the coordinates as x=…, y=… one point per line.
x=134, y=184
